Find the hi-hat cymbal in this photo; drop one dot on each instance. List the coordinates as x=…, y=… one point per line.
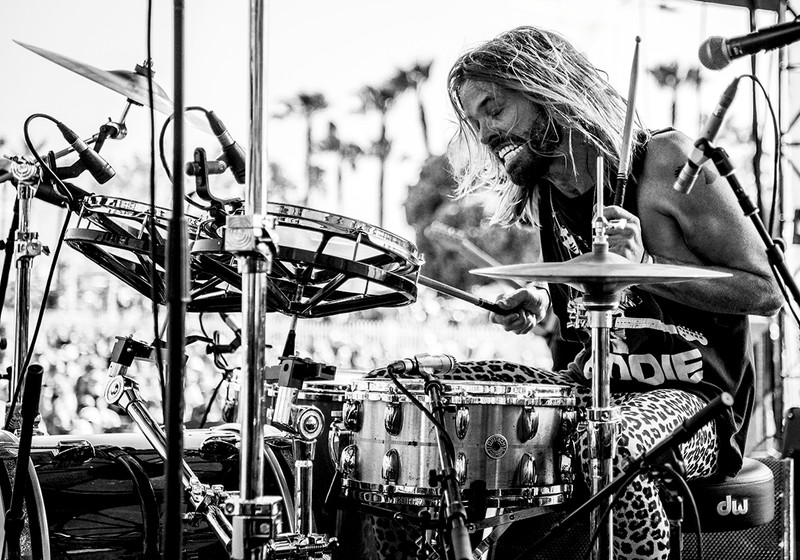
x=607, y=272
x=130, y=84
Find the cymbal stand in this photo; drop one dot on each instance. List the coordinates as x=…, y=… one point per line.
x=27, y=175
x=248, y=237
x=603, y=419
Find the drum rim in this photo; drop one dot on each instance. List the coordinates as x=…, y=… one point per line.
x=377, y=236
x=468, y=392
x=424, y=496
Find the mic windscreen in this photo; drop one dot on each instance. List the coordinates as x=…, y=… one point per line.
x=713, y=53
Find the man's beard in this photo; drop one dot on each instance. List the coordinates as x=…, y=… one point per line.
x=537, y=157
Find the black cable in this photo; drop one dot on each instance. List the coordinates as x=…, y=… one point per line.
x=58, y=183
x=226, y=372
x=152, y=222
x=162, y=151
x=450, y=448
x=144, y=490
x=776, y=151
x=211, y=400
x=42, y=307
x=688, y=493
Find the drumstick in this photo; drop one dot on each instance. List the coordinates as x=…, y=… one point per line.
x=462, y=295
x=627, y=133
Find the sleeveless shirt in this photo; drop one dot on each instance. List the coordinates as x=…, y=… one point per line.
x=664, y=344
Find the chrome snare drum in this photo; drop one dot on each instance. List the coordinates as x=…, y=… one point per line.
x=514, y=437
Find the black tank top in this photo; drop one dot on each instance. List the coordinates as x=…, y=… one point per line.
x=666, y=344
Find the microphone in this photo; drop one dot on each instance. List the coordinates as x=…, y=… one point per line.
x=438, y=363
x=717, y=52
x=697, y=158
x=94, y=164
x=233, y=152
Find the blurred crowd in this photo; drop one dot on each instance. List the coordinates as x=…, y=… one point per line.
x=75, y=347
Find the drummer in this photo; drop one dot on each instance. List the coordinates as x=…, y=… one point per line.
x=534, y=115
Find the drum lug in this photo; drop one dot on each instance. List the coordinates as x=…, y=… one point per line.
x=338, y=438
x=393, y=418
x=351, y=415
x=462, y=421
x=528, y=424
x=390, y=470
x=461, y=467
x=567, y=476
x=349, y=460
x=526, y=470
x=569, y=421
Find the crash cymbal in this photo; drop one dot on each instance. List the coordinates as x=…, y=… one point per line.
x=130, y=84
x=599, y=271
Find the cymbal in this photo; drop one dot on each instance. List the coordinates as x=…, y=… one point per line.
x=599, y=271
x=130, y=84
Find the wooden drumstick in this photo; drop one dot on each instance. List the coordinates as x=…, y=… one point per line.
x=627, y=133
x=462, y=295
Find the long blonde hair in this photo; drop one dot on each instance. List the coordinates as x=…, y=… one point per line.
x=574, y=95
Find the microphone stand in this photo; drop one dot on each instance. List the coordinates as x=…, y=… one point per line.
x=15, y=516
x=28, y=246
x=774, y=250
x=645, y=462
x=8, y=249
x=455, y=513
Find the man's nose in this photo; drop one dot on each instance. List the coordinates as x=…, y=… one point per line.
x=485, y=133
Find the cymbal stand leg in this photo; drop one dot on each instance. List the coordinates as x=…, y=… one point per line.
x=121, y=390
x=603, y=420
x=26, y=248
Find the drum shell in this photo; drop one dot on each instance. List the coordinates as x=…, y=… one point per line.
x=494, y=442
x=93, y=509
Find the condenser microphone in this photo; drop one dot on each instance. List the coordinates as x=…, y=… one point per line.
x=233, y=152
x=438, y=363
x=91, y=160
x=717, y=52
x=697, y=158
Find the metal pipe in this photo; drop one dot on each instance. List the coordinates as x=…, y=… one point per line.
x=303, y=469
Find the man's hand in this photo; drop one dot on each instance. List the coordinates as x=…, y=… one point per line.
x=526, y=306
x=625, y=234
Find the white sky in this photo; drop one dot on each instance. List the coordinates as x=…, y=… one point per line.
x=334, y=47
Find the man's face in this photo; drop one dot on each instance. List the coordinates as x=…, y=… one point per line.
x=512, y=127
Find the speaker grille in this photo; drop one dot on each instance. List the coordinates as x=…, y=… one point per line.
x=768, y=542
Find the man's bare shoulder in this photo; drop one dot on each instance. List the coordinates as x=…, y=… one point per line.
x=666, y=154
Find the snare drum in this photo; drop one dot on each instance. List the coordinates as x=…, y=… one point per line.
x=514, y=437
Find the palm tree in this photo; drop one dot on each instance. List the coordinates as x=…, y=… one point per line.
x=307, y=104
x=417, y=75
x=347, y=153
x=381, y=99
x=668, y=76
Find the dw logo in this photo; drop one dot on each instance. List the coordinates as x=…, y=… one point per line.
x=731, y=506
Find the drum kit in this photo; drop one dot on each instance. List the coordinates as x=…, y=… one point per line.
x=413, y=444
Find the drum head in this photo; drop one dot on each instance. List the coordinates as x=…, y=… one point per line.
x=324, y=264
